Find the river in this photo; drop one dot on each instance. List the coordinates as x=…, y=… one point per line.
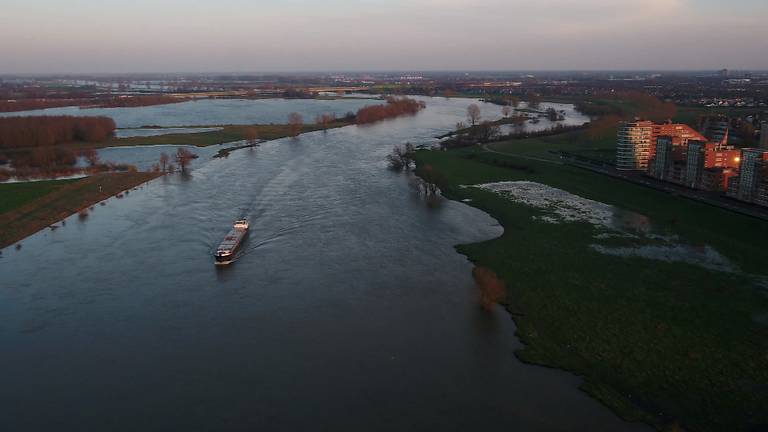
x=349, y=310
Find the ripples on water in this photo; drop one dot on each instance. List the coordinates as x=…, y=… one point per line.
x=349, y=310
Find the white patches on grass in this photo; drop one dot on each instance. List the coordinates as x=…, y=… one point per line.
x=705, y=256
x=560, y=206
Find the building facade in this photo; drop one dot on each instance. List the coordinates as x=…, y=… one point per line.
x=660, y=166
x=636, y=141
x=716, y=128
x=694, y=165
x=752, y=174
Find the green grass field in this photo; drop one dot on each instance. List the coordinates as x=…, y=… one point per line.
x=662, y=342
x=228, y=133
x=574, y=142
x=26, y=208
x=14, y=195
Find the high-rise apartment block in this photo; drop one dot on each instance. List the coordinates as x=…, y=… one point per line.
x=636, y=144
x=753, y=176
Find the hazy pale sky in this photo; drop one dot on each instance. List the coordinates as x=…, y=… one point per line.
x=41, y=36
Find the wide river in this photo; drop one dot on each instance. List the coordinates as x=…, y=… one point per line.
x=350, y=309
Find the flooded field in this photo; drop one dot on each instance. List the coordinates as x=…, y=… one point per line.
x=559, y=206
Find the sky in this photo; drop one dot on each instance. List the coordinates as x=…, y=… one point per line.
x=111, y=36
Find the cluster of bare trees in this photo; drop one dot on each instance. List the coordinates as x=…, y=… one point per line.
x=183, y=158
x=251, y=135
x=137, y=101
x=295, y=123
x=324, y=120
x=534, y=101
x=16, y=132
x=486, y=131
x=473, y=114
x=429, y=181
x=395, y=107
x=553, y=115
x=401, y=157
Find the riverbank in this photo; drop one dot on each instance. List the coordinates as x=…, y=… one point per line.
x=663, y=341
x=222, y=134
x=30, y=207
x=226, y=134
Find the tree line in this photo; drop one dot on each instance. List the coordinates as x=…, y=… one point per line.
x=35, y=104
x=16, y=132
x=395, y=107
x=13, y=105
x=137, y=101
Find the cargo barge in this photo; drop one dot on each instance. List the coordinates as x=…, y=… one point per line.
x=225, y=253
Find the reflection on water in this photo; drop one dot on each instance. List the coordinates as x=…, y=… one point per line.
x=349, y=310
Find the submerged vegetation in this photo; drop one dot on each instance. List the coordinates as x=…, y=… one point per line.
x=26, y=208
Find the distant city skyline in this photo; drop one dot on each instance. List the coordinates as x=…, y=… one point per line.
x=87, y=36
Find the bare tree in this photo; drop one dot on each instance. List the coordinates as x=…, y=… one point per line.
x=534, y=101
x=251, y=135
x=183, y=158
x=487, y=131
x=401, y=157
x=295, y=123
x=552, y=114
x=514, y=101
x=164, y=159
x=473, y=113
x=431, y=181
x=325, y=119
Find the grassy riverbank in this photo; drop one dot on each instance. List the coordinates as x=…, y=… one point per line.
x=662, y=342
x=26, y=208
x=227, y=133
